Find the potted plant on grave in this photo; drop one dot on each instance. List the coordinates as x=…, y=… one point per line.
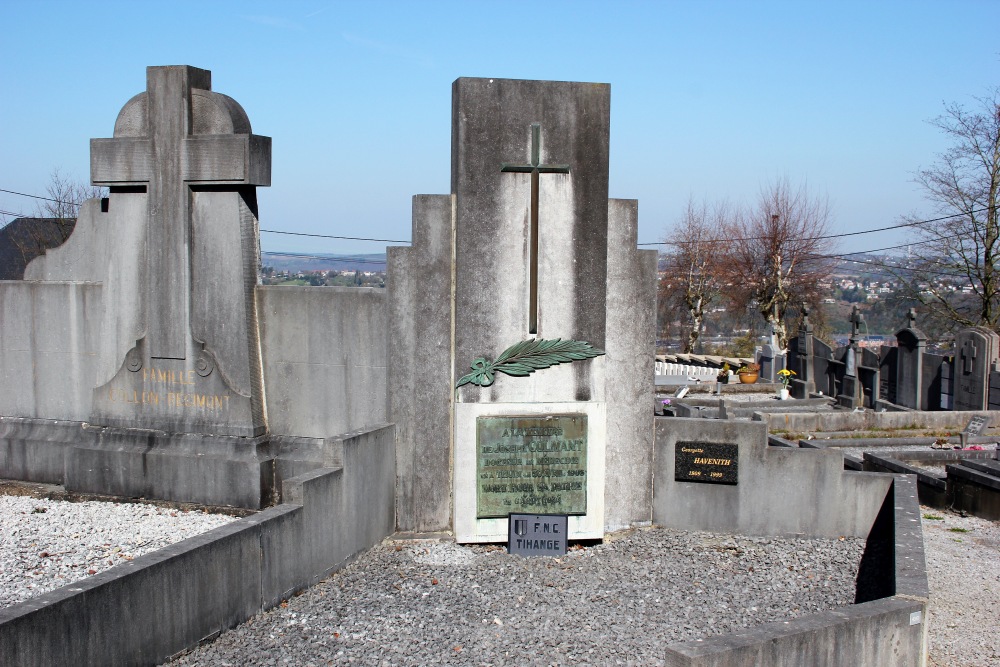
x=722, y=378
x=785, y=376
x=748, y=373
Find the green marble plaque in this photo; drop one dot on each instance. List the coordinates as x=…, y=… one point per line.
x=531, y=464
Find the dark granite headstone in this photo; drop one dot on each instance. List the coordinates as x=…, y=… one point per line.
x=909, y=366
x=537, y=534
x=888, y=357
x=976, y=351
x=805, y=382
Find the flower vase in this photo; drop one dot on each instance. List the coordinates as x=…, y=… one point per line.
x=783, y=394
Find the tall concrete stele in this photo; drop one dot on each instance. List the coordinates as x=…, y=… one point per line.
x=527, y=248
x=177, y=408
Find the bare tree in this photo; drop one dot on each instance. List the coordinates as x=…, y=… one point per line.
x=776, y=253
x=953, y=269
x=54, y=221
x=65, y=197
x=691, y=281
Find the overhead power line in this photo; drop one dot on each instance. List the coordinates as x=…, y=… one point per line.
x=25, y=194
x=825, y=236
x=328, y=236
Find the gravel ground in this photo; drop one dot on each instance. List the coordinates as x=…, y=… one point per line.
x=50, y=543
x=963, y=569
x=421, y=602
x=621, y=602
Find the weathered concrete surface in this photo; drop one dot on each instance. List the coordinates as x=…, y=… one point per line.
x=873, y=634
x=49, y=342
x=34, y=450
x=858, y=421
x=781, y=491
x=420, y=283
x=492, y=126
x=144, y=611
x=185, y=467
x=344, y=512
x=324, y=353
x=631, y=348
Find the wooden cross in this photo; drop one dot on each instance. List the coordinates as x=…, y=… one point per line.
x=968, y=354
x=165, y=155
x=534, y=168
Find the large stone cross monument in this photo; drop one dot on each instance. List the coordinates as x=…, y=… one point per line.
x=178, y=406
x=522, y=324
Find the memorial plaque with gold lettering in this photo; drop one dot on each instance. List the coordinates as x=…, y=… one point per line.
x=531, y=464
x=712, y=462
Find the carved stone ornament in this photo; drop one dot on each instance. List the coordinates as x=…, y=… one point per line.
x=205, y=364
x=133, y=360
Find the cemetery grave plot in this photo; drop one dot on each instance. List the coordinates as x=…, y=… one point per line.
x=51, y=543
x=425, y=601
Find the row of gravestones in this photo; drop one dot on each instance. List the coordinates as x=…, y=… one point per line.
x=906, y=376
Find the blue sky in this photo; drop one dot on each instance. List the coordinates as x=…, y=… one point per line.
x=709, y=99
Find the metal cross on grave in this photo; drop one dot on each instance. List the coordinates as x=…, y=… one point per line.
x=534, y=168
x=969, y=352
x=165, y=144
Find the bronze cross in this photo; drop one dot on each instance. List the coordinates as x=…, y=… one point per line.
x=534, y=169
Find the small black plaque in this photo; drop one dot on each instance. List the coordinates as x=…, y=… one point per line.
x=537, y=534
x=976, y=425
x=711, y=462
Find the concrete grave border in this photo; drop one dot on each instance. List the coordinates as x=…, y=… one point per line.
x=147, y=610
x=790, y=491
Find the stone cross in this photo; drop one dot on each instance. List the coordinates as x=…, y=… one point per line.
x=911, y=316
x=856, y=320
x=168, y=155
x=969, y=352
x=534, y=168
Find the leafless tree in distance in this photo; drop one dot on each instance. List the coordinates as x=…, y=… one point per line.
x=952, y=269
x=691, y=280
x=776, y=253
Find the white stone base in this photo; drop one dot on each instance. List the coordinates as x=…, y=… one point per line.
x=470, y=529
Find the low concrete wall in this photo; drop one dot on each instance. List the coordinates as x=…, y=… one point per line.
x=147, y=610
x=781, y=491
x=856, y=421
x=325, y=358
x=879, y=633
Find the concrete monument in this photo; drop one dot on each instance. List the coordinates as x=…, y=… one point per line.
x=535, y=277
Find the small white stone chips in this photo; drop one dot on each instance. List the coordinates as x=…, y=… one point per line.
x=49, y=543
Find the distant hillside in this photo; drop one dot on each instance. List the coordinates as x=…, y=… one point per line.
x=294, y=262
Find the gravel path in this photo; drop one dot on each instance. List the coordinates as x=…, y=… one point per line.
x=431, y=602
x=963, y=569
x=50, y=543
